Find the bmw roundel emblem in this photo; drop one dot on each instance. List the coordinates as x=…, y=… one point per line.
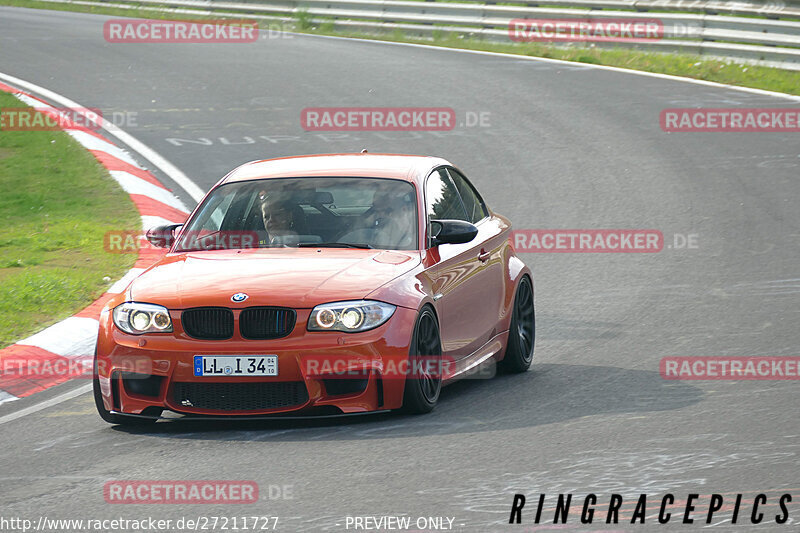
x=239, y=297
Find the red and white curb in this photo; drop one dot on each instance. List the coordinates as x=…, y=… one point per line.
x=50, y=356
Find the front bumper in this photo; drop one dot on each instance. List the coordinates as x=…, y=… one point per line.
x=318, y=372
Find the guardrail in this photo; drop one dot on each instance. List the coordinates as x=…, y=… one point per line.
x=769, y=34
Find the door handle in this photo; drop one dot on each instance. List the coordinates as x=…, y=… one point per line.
x=483, y=256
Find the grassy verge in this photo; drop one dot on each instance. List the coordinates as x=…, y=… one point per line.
x=703, y=68
x=57, y=202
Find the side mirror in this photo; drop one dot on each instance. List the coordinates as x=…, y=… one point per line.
x=162, y=236
x=452, y=232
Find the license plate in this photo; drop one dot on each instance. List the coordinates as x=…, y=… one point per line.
x=235, y=365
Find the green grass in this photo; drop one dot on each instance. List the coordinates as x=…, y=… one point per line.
x=690, y=66
x=703, y=68
x=57, y=202
x=303, y=20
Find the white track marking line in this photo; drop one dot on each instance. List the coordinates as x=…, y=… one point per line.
x=34, y=102
x=191, y=188
x=45, y=404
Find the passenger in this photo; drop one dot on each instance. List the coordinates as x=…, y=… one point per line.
x=393, y=221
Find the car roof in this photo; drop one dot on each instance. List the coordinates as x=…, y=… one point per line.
x=398, y=166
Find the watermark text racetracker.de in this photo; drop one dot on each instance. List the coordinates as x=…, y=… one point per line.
x=389, y=119
x=180, y=31
x=28, y=366
x=180, y=492
x=359, y=368
x=134, y=241
x=584, y=29
x=730, y=368
x=148, y=523
x=59, y=118
x=733, y=119
x=598, y=241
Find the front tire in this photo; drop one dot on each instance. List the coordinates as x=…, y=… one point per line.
x=423, y=385
x=113, y=418
x=522, y=334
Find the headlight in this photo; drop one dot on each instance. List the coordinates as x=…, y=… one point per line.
x=349, y=317
x=136, y=318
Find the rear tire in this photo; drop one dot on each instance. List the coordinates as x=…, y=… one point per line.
x=422, y=386
x=522, y=334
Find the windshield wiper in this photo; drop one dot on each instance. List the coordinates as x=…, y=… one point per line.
x=333, y=245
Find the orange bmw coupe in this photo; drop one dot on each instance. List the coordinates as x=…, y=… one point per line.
x=318, y=285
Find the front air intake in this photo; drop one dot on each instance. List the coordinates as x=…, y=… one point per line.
x=266, y=322
x=255, y=396
x=209, y=323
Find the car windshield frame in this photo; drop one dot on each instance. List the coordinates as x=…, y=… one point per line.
x=189, y=227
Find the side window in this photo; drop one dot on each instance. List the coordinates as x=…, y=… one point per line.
x=473, y=203
x=441, y=197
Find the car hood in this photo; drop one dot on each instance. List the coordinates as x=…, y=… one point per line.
x=288, y=277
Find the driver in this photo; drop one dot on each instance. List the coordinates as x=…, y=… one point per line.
x=279, y=218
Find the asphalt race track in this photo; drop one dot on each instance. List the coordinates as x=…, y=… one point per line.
x=564, y=146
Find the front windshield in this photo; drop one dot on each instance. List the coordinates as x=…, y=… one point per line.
x=297, y=212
